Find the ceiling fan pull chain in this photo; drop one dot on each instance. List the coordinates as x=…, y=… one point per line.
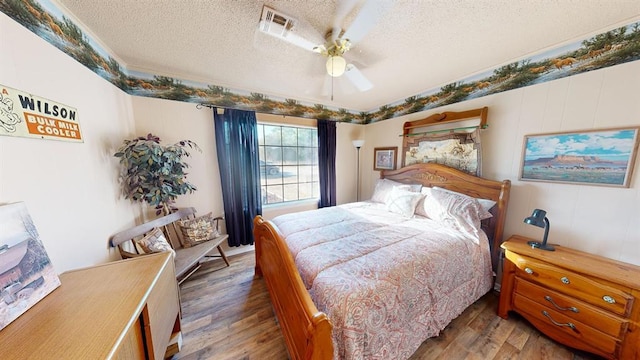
x=332, y=88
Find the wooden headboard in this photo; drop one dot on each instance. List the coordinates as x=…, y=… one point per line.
x=455, y=180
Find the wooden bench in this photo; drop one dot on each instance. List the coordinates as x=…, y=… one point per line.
x=188, y=259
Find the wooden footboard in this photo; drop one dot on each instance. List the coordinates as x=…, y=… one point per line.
x=307, y=331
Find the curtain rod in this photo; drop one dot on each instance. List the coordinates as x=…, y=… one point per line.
x=445, y=130
x=220, y=110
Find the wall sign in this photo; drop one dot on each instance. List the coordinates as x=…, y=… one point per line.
x=25, y=115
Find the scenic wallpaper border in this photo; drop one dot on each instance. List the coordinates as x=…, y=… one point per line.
x=610, y=48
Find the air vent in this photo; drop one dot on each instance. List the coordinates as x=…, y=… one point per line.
x=275, y=23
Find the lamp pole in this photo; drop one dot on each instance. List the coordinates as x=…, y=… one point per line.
x=358, y=175
x=358, y=144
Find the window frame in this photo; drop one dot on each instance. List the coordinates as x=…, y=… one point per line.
x=268, y=180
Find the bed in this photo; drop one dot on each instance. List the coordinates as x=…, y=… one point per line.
x=380, y=295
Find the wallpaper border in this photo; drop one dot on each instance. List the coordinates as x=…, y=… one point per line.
x=45, y=19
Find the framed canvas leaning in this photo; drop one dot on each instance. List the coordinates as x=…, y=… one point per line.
x=26, y=273
x=594, y=157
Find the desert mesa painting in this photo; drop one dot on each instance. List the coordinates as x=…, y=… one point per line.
x=596, y=157
x=26, y=273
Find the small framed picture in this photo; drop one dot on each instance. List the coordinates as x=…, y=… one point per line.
x=591, y=157
x=384, y=158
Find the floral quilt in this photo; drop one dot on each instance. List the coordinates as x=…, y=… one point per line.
x=386, y=282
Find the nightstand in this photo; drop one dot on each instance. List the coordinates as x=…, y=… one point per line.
x=581, y=300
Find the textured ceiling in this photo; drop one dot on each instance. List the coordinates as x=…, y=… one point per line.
x=415, y=46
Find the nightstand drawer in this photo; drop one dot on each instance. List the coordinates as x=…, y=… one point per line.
x=557, y=323
x=572, y=308
x=572, y=284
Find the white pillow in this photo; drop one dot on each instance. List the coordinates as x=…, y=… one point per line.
x=154, y=242
x=420, y=210
x=485, y=204
x=454, y=210
x=384, y=186
x=403, y=202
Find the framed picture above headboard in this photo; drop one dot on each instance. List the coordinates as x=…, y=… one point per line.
x=449, y=138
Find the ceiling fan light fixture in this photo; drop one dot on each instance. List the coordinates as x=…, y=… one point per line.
x=336, y=65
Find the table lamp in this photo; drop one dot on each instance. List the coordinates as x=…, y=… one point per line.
x=539, y=219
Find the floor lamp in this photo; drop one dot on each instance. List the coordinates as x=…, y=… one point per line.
x=358, y=144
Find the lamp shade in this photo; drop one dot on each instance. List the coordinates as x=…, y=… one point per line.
x=539, y=218
x=336, y=65
x=536, y=218
x=358, y=143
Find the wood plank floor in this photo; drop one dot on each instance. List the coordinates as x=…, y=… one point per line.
x=226, y=314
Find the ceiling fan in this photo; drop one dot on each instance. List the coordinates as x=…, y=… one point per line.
x=337, y=42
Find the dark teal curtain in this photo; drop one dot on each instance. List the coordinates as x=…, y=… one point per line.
x=327, y=162
x=237, y=146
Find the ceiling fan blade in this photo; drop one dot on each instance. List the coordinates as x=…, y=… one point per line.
x=320, y=49
x=357, y=78
x=343, y=8
x=371, y=12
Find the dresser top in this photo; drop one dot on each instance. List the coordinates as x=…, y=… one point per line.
x=579, y=261
x=88, y=315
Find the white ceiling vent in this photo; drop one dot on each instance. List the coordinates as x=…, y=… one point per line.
x=276, y=23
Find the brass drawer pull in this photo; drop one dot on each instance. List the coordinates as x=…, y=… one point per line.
x=565, y=280
x=609, y=299
x=572, y=308
x=569, y=325
x=528, y=270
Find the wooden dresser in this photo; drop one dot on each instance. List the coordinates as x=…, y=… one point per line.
x=581, y=300
x=121, y=310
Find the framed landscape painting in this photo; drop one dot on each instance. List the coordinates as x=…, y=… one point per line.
x=595, y=157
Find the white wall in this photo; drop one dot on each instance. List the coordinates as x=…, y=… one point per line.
x=347, y=161
x=173, y=121
x=70, y=189
x=599, y=220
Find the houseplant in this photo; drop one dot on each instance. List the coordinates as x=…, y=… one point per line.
x=154, y=173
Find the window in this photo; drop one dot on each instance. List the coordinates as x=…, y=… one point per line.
x=288, y=163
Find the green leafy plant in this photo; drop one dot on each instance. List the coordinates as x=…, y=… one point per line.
x=154, y=173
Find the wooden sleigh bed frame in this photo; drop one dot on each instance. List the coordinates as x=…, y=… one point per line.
x=307, y=331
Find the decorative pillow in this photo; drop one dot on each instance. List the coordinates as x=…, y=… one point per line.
x=154, y=242
x=485, y=204
x=425, y=191
x=403, y=202
x=454, y=210
x=198, y=230
x=384, y=186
